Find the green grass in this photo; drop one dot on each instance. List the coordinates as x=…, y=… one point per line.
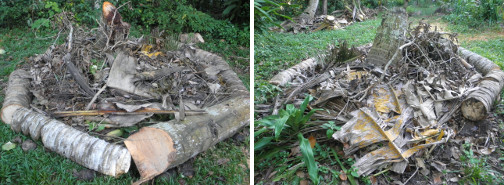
x=277, y=51
x=492, y=49
x=45, y=167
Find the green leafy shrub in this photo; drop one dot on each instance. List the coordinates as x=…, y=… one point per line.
x=475, y=13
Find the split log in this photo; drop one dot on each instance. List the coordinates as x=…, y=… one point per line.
x=165, y=145
x=78, y=146
x=287, y=75
x=479, y=102
x=390, y=35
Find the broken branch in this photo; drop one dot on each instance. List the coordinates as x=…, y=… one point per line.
x=119, y=112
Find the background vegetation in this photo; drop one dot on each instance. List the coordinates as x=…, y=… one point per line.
x=27, y=28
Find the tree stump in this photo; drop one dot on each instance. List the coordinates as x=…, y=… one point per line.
x=390, y=35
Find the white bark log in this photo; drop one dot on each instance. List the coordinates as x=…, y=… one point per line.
x=78, y=146
x=287, y=75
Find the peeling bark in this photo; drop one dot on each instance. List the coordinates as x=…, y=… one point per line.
x=477, y=104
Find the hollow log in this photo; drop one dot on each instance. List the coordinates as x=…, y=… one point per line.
x=78, y=146
x=478, y=103
x=165, y=145
x=390, y=35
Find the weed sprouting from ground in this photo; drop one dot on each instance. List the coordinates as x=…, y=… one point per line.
x=476, y=170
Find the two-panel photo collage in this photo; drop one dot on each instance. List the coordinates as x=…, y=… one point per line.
x=267, y=92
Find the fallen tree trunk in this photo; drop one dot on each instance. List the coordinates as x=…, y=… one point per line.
x=165, y=145
x=287, y=75
x=479, y=102
x=78, y=146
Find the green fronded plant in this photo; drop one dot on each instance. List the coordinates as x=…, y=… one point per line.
x=266, y=12
x=308, y=158
x=284, y=128
x=289, y=121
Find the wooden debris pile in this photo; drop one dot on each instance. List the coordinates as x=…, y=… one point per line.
x=395, y=102
x=101, y=78
x=335, y=20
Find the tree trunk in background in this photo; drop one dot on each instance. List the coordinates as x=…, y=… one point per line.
x=309, y=13
x=390, y=35
x=405, y=4
x=302, y=20
x=324, y=7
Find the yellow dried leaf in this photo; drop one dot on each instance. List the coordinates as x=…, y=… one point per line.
x=146, y=48
x=366, y=128
x=430, y=132
x=146, y=51
x=385, y=99
x=352, y=75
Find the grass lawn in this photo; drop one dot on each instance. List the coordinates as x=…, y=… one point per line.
x=224, y=163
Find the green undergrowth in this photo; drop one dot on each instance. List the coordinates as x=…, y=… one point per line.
x=277, y=51
x=41, y=166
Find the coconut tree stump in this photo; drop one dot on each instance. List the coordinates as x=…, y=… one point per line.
x=159, y=147
x=390, y=35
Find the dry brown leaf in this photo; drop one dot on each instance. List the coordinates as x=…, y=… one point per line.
x=304, y=182
x=437, y=178
x=300, y=174
x=312, y=141
x=373, y=179
x=343, y=176
x=223, y=161
x=295, y=151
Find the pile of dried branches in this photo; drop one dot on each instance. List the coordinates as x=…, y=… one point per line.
x=398, y=110
x=74, y=76
x=102, y=76
x=335, y=20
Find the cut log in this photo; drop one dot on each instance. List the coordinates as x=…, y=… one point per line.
x=17, y=94
x=78, y=146
x=478, y=103
x=165, y=145
x=390, y=35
